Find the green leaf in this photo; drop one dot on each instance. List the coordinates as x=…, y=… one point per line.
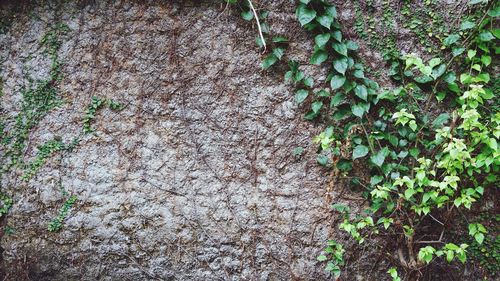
x=337, y=35
x=340, y=48
x=269, y=61
x=305, y=15
x=467, y=25
x=331, y=11
x=248, y=15
x=437, y=72
x=440, y=120
x=359, y=109
x=322, y=160
x=279, y=39
x=451, y=39
x=351, y=45
x=486, y=60
x=301, y=95
x=479, y=238
x=340, y=65
x=278, y=52
x=322, y=258
x=319, y=57
x=361, y=92
x=337, y=99
x=325, y=20
x=308, y=82
x=321, y=39
x=359, y=151
x=485, y=36
x=337, y=82
x=379, y=158
x=494, y=12
x=457, y=51
x=316, y=106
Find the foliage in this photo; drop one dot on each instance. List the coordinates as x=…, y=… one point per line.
x=96, y=104
x=56, y=223
x=424, y=167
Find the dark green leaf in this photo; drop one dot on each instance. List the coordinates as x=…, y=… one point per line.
x=278, y=52
x=340, y=65
x=280, y=39
x=305, y=15
x=321, y=39
x=337, y=99
x=379, y=158
x=322, y=160
x=485, y=36
x=319, y=57
x=337, y=35
x=269, y=61
x=358, y=109
x=361, y=92
x=301, y=95
x=337, y=82
x=316, y=106
x=340, y=48
x=248, y=15
x=351, y=45
x=452, y=38
x=325, y=20
x=440, y=120
x=359, y=151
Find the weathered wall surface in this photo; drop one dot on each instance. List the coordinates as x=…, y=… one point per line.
x=194, y=179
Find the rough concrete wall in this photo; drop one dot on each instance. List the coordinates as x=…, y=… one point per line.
x=193, y=180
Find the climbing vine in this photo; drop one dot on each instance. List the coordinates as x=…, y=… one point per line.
x=429, y=144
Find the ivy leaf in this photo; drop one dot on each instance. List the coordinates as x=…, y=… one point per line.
x=342, y=112
x=337, y=82
x=278, y=52
x=351, y=45
x=331, y=11
x=319, y=57
x=485, y=36
x=379, y=158
x=486, y=60
x=340, y=48
x=321, y=39
x=337, y=35
x=308, y=82
x=359, y=152
x=437, y=72
x=322, y=160
x=305, y=15
x=337, y=99
x=280, y=39
x=359, y=109
x=440, y=120
x=361, y=92
x=301, y=95
x=457, y=51
x=322, y=258
x=316, y=106
x=340, y=65
x=248, y=15
x=467, y=25
x=452, y=38
x=325, y=21
x=479, y=238
x=269, y=61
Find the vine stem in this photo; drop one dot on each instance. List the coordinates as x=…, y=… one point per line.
x=258, y=24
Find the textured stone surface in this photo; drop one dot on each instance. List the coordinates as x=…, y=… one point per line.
x=194, y=179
